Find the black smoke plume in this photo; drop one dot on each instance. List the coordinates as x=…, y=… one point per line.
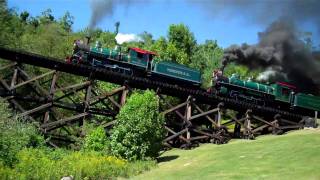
x=281, y=55
x=100, y=9
x=103, y=8
x=263, y=12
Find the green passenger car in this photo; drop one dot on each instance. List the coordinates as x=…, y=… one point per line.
x=307, y=101
x=177, y=71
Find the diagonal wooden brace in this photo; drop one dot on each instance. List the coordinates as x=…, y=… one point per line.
x=33, y=79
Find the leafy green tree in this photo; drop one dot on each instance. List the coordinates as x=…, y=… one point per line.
x=181, y=43
x=34, y=22
x=46, y=17
x=49, y=40
x=243, y=71
x=146, y=39
x=24, y=16
x=206, y=58
x=3, y=5
x=139, y=130
x=66, y=21
x=160, y=46
x=107, y=39
x=11, y=27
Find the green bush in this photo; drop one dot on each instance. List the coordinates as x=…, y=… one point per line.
x=139, y=129
x=54, y=164
x=15, y=135
x=96, y=140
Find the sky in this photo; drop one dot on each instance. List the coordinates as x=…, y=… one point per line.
x=155, y=16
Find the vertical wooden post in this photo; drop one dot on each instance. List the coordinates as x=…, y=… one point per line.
x=51, y=95
x=14, y=77
x=188, y=116
x=86, y=104
x=275, y=127
x=124, y=96
x=218, y=116
x=188, y=112
x=237, y=127
x=315, y=118
x=247, y=125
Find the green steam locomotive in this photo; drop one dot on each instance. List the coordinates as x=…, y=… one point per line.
x=279, y=94
x=134, y=61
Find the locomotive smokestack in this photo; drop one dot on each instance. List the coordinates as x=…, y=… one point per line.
x=117, y=25
x=222, y=69
x=88, y=38
x=224, y=64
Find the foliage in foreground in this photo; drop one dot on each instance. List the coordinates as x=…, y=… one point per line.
x=45, y=163
x=24, y=156
x=96, y=140
x=139, y=129
x=15, y=135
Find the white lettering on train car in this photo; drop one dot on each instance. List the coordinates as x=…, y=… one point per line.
x=178, y=72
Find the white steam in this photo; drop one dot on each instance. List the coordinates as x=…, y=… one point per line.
x=121, y=38
x=266, y=75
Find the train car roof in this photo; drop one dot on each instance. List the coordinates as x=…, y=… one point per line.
x=287, y=85
x=143, y=51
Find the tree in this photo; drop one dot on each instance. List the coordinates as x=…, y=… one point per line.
x=46, y=17
x=66, y=21
x=181, y=41
x=160, y=46
x=147, y=39
x=206, y=58
x=34, y=22
x=107, y=39
x=3, y=6
x=24, y=16
x=139, y=130
x=11, y=27
x=243, y=71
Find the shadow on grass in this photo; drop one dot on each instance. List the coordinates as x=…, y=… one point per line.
x=166, y=158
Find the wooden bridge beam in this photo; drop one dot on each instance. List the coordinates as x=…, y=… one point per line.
x=32, y=79
x=56, y=124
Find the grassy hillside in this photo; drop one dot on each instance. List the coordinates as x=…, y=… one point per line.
x=295, y=155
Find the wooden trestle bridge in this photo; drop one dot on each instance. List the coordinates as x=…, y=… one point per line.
x=45, y=98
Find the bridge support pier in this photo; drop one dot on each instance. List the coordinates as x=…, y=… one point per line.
x=195, y=125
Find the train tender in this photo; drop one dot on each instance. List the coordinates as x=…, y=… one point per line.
x=279, y=94
x=134, y=61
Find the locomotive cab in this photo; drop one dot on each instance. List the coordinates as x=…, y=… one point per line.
x=140, y=57
x=284, y=92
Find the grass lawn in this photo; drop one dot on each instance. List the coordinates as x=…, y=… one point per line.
x=295, y=155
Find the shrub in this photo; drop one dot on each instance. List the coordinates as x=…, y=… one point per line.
x=15, y=135
x=53, y=164
x=96, y=140
x=139, y=129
